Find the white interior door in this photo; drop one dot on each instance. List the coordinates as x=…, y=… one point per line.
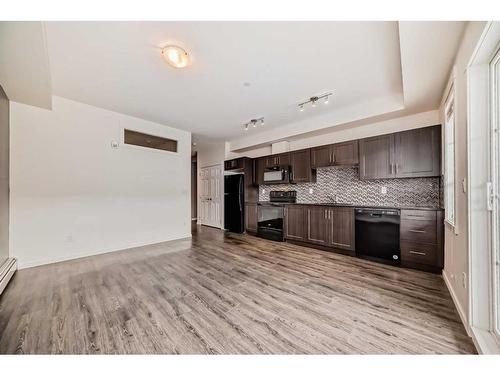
x=210, y=196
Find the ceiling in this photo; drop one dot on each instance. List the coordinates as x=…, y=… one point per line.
x=245, y=70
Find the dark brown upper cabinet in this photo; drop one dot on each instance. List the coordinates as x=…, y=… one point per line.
x=417, y=153
x=234, y=164
x=277, y=160
x=413, y=153
x=376, y=157
x=345, y=153
x=300, y=162
x=260, y=166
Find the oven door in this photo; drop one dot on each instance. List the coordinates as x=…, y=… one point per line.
x=270, y=222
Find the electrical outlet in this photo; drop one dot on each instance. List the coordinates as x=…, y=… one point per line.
x=464, y=280
x=311, y=191
x=114, y=144
x=383, y=190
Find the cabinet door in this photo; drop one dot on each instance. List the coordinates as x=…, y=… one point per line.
x=316, y=225
x=341, y=227
x=300, y=161
x=284, y=159
x=251, y=217
x=294, y=223
x=376, y=157
x=417, y=152
x=346, y=153
x=271, y=161
x=321, y=156
x=260, y=166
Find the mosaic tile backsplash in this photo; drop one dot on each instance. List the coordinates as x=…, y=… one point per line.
x=345, y=184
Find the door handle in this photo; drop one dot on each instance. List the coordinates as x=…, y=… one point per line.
x=417, y=252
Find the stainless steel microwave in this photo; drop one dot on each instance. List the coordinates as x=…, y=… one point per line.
x=277, y=175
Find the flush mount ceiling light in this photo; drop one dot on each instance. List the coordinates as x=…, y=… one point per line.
x=253, y=123
x=175, y=56
x=314, y=101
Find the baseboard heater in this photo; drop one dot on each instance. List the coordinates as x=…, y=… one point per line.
x=7, y=270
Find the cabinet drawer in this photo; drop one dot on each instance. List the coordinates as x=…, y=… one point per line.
x=419, y=253
x=418, y=215
x=419, y=231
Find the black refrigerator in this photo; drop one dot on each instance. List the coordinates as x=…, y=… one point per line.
x=234, y=203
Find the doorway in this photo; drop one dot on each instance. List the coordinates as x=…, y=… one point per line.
x=210, y=205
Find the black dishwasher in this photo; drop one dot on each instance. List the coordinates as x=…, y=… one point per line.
x=377, y=234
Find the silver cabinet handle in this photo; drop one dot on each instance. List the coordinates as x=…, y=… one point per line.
x=416, y=231
x=325, y=214
x=417, y=252
x=333, y=157
x=396, y=167
x=392, y=168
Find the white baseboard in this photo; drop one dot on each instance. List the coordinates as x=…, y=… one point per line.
x=7, y=270
x=461, y=313
x=48, y=260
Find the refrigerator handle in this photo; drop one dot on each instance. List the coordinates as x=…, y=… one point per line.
x=240, y=193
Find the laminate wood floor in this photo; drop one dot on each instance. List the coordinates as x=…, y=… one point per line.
x=223, y=293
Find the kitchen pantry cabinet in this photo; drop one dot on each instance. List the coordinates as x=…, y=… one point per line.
x=412, y=153
x=345, y=153
x=300, y=162
x=251, y=217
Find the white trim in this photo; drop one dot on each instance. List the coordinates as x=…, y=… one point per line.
x=83, y=254
x=450, y=99
x=7, y=270
x=485, y=341
x=479, y=148
x=461, y=313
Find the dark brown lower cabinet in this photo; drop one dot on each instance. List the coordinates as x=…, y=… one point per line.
x=317, y=225
x=251, y=217
x=324, y=225
x=421, y=234
x=341, y=228
x=294, y=225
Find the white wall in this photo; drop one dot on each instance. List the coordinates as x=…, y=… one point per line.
x=73, y=195
x=456, y=239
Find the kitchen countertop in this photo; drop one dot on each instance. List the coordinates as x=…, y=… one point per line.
x=331, y=204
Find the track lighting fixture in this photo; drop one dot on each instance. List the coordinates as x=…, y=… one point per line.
x=253, y=123
x=314, y=101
